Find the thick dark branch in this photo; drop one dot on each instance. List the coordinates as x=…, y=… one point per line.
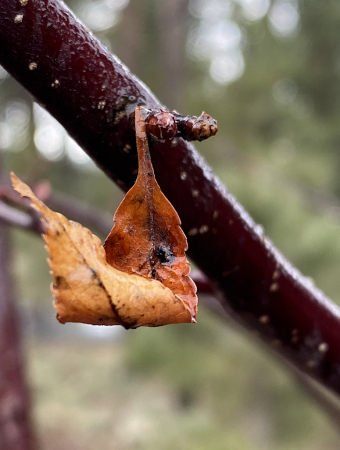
x=89, y=91
x=202, y=282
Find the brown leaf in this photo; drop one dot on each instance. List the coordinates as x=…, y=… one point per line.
x=89, y=290
x=146, y=238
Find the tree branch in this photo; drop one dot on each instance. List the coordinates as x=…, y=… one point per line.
x=91, y=93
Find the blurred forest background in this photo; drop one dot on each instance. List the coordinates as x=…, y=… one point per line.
x=269, y=72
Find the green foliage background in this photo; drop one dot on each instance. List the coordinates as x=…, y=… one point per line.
x=277, y=150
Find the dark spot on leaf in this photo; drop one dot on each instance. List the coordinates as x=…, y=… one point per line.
x=61, y=283
x=164, y=254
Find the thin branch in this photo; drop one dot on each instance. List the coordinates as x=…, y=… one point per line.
x=73, y=208
x=81, y=212
x=88, y=90
x=12, y=216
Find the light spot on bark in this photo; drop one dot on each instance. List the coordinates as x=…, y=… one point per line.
x=18, y=18
x=259, y=230
x=311, y=364
x=204, y=229
x=274, y=287
x=195, y=193
x=276, y=343
x=33, y=66
x=193, y=232
x=323, y=347
x=23, y=2
x=101, y=104
x=183, y=176
x=55, y=84
x=119, y=116
x=295, y=336
x=264, y=319
x=276, y=275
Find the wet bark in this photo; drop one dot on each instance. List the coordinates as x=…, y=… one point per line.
x=65, y=68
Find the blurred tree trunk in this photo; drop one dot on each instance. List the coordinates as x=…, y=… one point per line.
x=15, y=425
x=130, y=30
x=172, y=17
x=169, y=45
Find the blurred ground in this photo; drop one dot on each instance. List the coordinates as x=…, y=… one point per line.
x=200, y=388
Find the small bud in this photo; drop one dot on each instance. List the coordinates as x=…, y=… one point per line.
x=161, y=126
x=194, y=128
x=204, y=127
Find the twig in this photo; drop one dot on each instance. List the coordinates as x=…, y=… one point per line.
x=82, y=212
x=73, y=208
x=12, y=216
x=261, y=289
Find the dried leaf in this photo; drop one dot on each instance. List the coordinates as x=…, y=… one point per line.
x=146, y=238
x=89, y=290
